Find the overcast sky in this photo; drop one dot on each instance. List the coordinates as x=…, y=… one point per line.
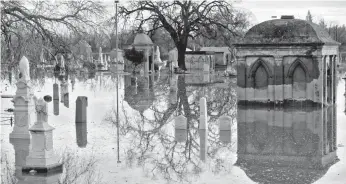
x=262, y=10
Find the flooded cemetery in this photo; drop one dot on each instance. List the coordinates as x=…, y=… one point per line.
x=153, y=104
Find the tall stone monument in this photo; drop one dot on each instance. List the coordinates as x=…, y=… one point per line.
x=23, y=103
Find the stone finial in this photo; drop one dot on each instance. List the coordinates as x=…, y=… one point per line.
x=24, y=68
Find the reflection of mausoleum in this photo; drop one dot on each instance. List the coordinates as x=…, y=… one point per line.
x=287, y=60
x=139, y=93
x=295, y=145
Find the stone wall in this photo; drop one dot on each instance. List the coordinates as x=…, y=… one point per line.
x=286, y=73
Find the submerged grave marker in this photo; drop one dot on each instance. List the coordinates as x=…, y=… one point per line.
x=41, y=157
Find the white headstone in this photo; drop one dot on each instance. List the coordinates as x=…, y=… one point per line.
x=180, y=122
x=41, y=154
x=24, y=68
x=203, y=113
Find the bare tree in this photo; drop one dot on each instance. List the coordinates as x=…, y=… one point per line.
x=184, y=19
x=45, y=21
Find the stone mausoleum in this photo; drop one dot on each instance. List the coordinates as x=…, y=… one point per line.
x=287, y=61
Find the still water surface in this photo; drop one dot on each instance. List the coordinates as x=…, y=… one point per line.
x=294, y=145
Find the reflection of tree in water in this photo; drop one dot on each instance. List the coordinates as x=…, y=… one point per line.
x=152, y=143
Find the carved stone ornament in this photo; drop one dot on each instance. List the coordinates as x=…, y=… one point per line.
x=24, y=68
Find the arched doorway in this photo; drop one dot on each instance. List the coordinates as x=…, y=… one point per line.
x=299, y=83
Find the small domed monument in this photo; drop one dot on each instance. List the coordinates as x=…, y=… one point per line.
x=287, y=61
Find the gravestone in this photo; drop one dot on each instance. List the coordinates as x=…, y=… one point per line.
x=23, y=103
x=55, y=91
x=203, y=118
x=41, y=156
x=180, y=122
x=81, y=109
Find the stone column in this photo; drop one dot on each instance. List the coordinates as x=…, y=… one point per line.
x=146, y=65
x=332, y=66
x=278, y=80
x=41, y=156
x=152, y=61
x=334, y=78
x=325, y=81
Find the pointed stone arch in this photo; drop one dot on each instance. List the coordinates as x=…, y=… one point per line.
x=293, y=67
x=258, y=64
x=298, y=77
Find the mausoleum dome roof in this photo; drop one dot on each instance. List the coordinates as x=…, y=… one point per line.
x=142, y=39
x=283, y=31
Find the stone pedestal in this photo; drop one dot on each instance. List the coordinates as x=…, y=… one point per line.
x=21, y=151
x=41, y=178
x=203, y=118
x=41, y=156
x=23, y=110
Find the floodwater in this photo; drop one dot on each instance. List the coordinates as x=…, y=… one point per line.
x=292, y=145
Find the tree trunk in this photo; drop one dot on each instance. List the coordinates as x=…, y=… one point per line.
x=181, y=56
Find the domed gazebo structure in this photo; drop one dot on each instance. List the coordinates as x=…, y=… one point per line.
x=143, y=42
x=286, y=61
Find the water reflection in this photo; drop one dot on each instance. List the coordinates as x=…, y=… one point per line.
x=81, y=134
x=139, y=92
x=293, y=145
x=203, y=143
